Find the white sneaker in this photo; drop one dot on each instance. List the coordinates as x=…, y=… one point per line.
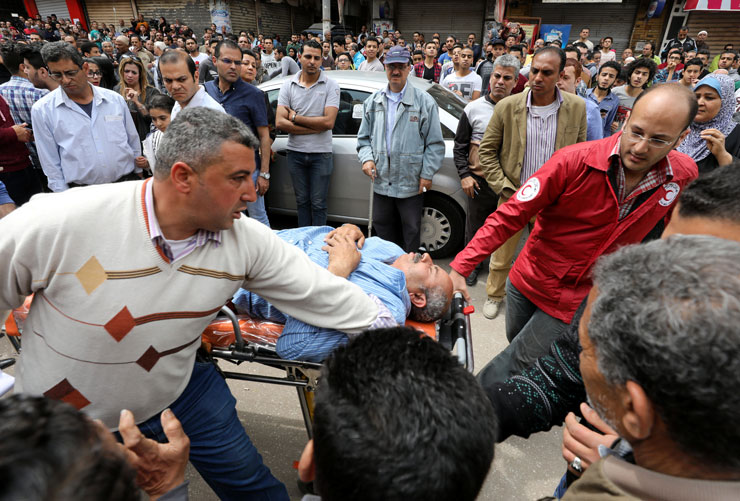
x=491, y=309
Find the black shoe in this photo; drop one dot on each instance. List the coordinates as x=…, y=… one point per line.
x=472, y=278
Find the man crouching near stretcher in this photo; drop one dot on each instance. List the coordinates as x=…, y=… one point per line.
x=402, y=284
x=126, y=276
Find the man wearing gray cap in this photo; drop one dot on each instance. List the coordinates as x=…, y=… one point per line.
x=400, y=147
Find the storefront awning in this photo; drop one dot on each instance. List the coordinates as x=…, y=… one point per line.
x=710, y=5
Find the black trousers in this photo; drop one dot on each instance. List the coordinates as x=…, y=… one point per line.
x=398, y=220
x=21, y=184
x=479, y=208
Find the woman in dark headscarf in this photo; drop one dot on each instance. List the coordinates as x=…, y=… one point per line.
x=714, y=139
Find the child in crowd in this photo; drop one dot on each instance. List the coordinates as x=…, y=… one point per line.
x=160, y=109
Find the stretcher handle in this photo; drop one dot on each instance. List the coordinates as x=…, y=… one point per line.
x=237, y=329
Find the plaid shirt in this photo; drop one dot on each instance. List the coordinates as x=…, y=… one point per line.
x=20, y=95
x=657, y=176
x=419, y=70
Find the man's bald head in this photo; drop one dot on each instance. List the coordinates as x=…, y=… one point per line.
x=668, y=96
x=122, y=39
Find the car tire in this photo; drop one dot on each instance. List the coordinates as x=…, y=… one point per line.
x=442, y=225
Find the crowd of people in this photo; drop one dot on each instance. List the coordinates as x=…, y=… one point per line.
x=621, y=173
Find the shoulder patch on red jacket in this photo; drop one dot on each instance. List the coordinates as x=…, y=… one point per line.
x=671, y=192
x=529, y=190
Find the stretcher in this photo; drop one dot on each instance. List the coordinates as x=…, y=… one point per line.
x=237, y=339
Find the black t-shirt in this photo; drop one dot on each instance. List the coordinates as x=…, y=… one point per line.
x=428, y=72
x=87, y=108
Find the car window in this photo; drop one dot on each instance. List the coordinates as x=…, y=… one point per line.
x=348, y=120
x=272, y=96
x=447, y=101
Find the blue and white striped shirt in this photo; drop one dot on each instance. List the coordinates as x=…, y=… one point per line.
x=374, y=275
x=20, y=95
x=542, y=128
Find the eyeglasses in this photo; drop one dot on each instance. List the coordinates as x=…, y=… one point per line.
x=69, y=74
x=94, y=74
x=634, y=137
x=229, y=62
x=130, y=58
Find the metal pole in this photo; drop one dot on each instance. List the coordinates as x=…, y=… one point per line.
x=326, y=17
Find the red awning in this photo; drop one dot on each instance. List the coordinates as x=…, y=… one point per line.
x=712, y=5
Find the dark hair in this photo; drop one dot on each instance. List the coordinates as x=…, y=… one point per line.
x=376, y=409
x=87, y=47
x=161, y=101
x=611, y=64
x=108, y=80
x=517, y=48
x=12, y=57
x=313, y=44
x=642, y=62
x=175, y=56
x=729, y=51
x=610, y=38
x=693, y=62
x=280, y=50
x=418, y=53
x=372, y=39
x=248, y=52
x=32, y=53
x=50, y=450
x=705, y=52
x=681, y=93
x=555, y=50
x=339, y=40
x=228, y=43
x=713, y=195
x=580, y=45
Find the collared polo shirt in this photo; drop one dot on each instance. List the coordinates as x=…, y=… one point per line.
x=310, y=102
x=607, y=107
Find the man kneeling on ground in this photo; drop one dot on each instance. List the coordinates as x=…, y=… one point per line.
x=402, y=284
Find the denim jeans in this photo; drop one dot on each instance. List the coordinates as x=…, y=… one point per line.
x=311, y=173
x=219, y=447
x=256, y=210
x=530, y=332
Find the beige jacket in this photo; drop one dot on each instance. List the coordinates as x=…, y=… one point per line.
x=505, y=140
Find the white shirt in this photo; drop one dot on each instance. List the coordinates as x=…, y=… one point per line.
x=76, y=148
x=201, y=98
x=199, y=58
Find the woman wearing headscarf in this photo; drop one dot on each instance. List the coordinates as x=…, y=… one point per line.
x=714, y=138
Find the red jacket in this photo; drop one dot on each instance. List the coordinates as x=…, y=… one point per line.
x=13, y=153
x=577, y=221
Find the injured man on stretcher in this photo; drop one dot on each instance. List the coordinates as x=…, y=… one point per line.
x=403, y=284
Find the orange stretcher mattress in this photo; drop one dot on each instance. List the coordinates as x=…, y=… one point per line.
x=220, y=332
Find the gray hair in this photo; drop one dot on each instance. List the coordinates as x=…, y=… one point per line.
x=508, y=61
x=667, y=317
x=59, y=51
x=436, y=305
x=195, y=137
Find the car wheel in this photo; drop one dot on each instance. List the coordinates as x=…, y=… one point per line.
x=442, y=225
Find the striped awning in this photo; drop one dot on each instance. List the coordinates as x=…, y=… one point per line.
x=712, y=5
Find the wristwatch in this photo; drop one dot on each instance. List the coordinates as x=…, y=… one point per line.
x=295, y=114
x=265, y=175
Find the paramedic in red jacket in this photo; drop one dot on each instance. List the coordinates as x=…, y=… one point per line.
x=590, y=199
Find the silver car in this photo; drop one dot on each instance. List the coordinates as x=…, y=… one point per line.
x=443, y=220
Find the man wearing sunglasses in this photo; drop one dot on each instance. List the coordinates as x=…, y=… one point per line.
x=589, y=199
x=84, y=134
x=245, y=102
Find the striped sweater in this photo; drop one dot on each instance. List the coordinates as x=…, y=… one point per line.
x=113, y=324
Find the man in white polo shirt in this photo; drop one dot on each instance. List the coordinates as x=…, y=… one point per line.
x=180, y=77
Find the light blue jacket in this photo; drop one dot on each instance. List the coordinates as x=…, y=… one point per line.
x=417, y=147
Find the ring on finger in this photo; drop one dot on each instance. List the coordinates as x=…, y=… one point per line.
x=577, y=465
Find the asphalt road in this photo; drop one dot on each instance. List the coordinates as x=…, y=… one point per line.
x=522, y=469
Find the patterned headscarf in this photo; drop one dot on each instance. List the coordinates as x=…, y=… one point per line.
x=696, y=147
